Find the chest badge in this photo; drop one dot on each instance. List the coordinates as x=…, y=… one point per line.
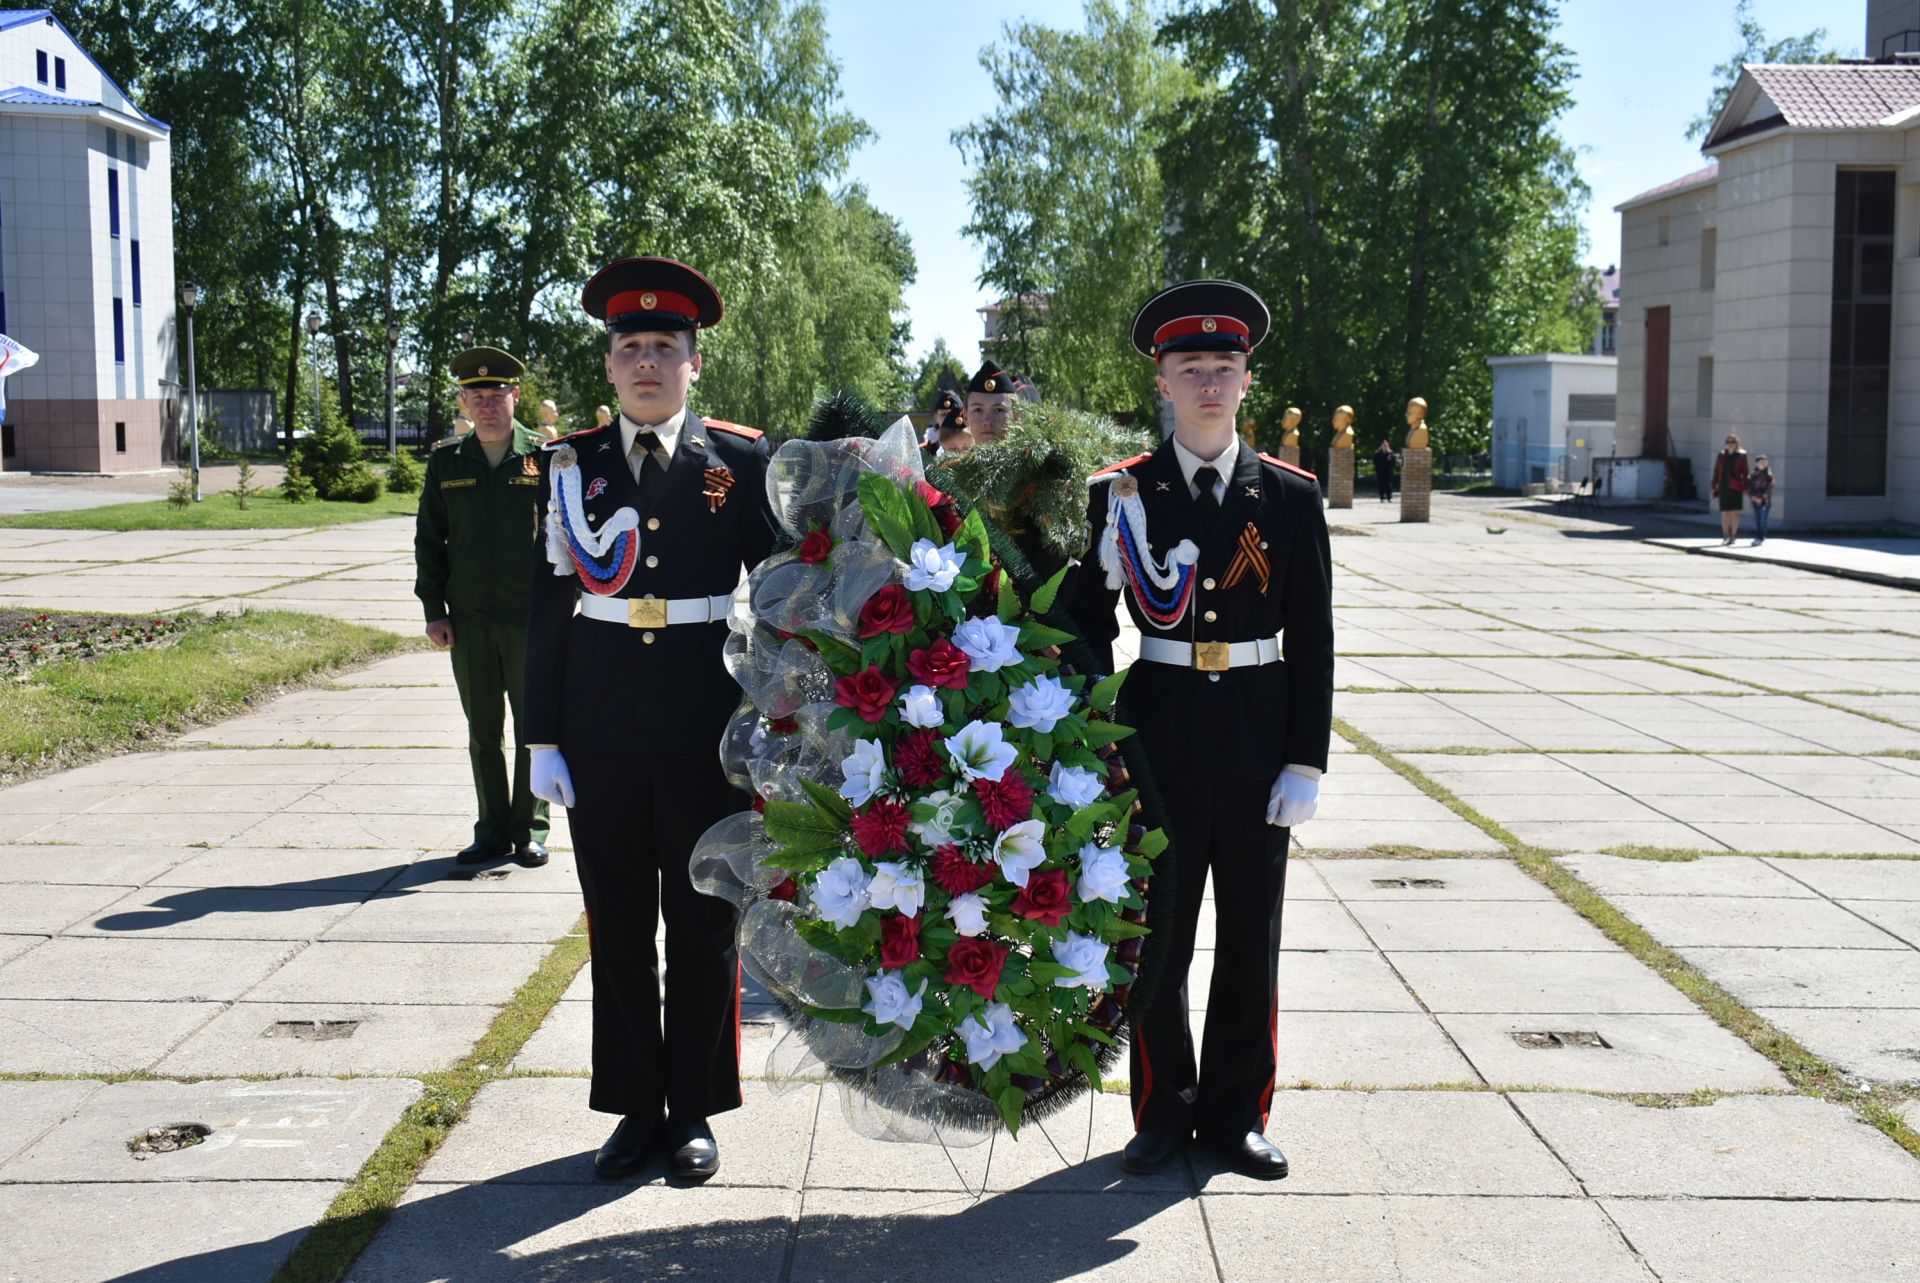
x=718, y=482
x=1249, y=555
x=1163, y=487
x=1253, y=492
x=529, y=466
x=596, y=487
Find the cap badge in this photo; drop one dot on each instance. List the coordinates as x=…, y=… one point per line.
x=481, y=371
x=648, y=300
x=990, y=383
x=1209, y=325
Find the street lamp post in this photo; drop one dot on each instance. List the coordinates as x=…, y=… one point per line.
x=189, y=298
x=313, y=336
x=393, y=435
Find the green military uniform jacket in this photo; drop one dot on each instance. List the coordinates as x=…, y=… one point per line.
x=474, y=530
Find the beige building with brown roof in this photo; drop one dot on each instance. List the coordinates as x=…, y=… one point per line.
x=1776, y=294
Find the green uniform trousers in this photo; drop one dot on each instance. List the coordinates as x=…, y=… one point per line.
x=488, y=666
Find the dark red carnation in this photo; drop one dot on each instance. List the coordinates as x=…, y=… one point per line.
x=941, y=664
x=868, y=693
x=1046, y=898
x=956, y=874
x=816, y=547
x=899, y=941
x=881, y=829
x=784, y=890
x=1006, y=801
x=888, y=611
x=977, y=965
x=918, y=760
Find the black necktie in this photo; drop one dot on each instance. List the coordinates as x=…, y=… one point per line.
x=1205, y=503
x=651, y=471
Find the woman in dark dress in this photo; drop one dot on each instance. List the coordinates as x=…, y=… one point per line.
x=1730, y=487
x=1383, y=470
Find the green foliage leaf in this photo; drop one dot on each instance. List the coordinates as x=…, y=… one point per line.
x=1043, y=595
x=887, y=513
x=828, y=801
x=1107, y=690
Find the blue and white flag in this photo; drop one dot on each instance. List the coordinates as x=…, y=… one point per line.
x=14, y=357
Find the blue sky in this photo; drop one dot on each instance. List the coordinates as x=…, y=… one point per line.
x=912, y=71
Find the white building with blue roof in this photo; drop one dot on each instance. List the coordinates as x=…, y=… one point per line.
x=86, y=260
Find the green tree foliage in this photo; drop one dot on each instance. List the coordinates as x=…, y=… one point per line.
x=939, y=368
x=456, y=165
x=334, y=460
x=1755, y=46
x=404, y=473
x=1067, y=197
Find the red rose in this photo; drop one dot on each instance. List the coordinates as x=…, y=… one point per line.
x=941, y=506
x=920, y=763
x=957, y=875
x=783, y=725
x=888, y=611
x=816, y=547
x=899, y=941
x=977, y=965
x=1006, y=801
x=941, y=664
x=882, y=828
x=869, y=693
x=785, y=890
x=1046, y=898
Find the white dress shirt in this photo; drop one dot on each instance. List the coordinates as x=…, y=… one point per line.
x=668, y=432
x=1191, y=463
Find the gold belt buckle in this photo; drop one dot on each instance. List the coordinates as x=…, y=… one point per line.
x=646, y=612
x=1211, y=657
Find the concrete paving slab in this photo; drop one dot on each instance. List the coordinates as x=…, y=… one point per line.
x=1738, y=1240
x=1737, y=1147
x=1850, y=879
x=1616, y=876
x=1367, y=1049
x=1644, y=1053
x=440, y=873
x=1899, y=917
x=369, y=972
x=1804, y=977
x=540, y=1131
x=500, y=1233
x=88, y=829
x=1370, y=1238
x=1869, y=1042
x=426, y=832
x=1343, y=981
x=219, y=913
x=122, y=866
x=97, y=968
x=844, y=1158
x=12, y=946
x=90, y=1037
x=246, y=1039
x=288, y=1129
x=564, y=1041
x=1812, y=839
x=863, y=1237
x=482, y=917
x=1398, y=1142
x=1485, y=983
x=29, y=1109
x=1401, y=926
x=169, y=1233
x=1678, y=921
x=308, y=869
x=1317, y=925
x=1602, y=835
x=1439, y=831
x=1411, y=879
x=47, y=909
x=1078, y=1150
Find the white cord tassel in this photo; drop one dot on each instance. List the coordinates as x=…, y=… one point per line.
x=566, y=494
x=1162, y=573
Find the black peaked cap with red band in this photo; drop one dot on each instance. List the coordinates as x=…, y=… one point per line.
x=1201, y=316
x=647, y=294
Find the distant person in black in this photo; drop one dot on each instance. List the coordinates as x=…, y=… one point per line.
x=1383, y=470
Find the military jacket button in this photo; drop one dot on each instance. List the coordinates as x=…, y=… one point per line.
x=1210, y=616
x=1213, y=677
x=1207, y=584
x=647, y=638
x=653, y=523
x=652, y=562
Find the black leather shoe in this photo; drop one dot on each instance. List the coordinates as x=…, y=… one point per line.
x=1253, y=1155
x=481, y=852
x=531, y=854
x=696, y=1155
x=625, y=1152
x=1148, y=1152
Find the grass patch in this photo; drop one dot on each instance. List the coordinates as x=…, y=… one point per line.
x=359, y=1210
x=75, y=710
x=269, y=511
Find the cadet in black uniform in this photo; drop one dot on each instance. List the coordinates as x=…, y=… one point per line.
x=477, y=509
x=990, y=397
x=647, y=523
x=1233, y=701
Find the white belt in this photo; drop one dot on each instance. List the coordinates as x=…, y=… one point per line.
x=1211, y=657
x=655, y=612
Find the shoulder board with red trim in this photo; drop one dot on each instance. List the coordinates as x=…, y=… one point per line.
x=1290, y=467
x=574, y=436
x=1124, y=463
x=738, y=429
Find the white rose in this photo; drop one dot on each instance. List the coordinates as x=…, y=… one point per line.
x=980, y=751
x=890, y=1003
x=942, y=811
x=1103, y=873
x=1088, y=958
x=990, y=644
x=896, y=886
x=865, y=770
x=920, y=707
x=840, y=892
x=1074, y=786
x=1020, y=849
x=932, y=569
x=968, y=913
x=994, y=1036
x=1040, y=704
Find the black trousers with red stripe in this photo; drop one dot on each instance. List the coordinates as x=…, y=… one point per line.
x=1221, y=827
x=635, y=819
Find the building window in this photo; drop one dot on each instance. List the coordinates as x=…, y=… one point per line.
x=1859, y=369
x=119, y=334
x=119, y=438
x=7, y=446
x=1609, y=336
x=113, y=201
x=136, y=272
x=60, y=74
x=1709, y=257
x=1703, y=391
x=1666, y=228
x=40, y=65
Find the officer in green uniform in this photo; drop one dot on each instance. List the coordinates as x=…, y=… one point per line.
x=478, y=514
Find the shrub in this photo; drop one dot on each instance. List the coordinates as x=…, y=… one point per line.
x=357, y=483
x=180, y=490
x=298, y=486
x=333, y=458
x=244, y=486
x=404, y=473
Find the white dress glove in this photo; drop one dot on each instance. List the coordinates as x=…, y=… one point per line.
x=547, y=777
x=1293, y=801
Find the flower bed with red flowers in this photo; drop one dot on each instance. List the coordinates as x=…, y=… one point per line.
x=976, y=860
x=29, y=639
